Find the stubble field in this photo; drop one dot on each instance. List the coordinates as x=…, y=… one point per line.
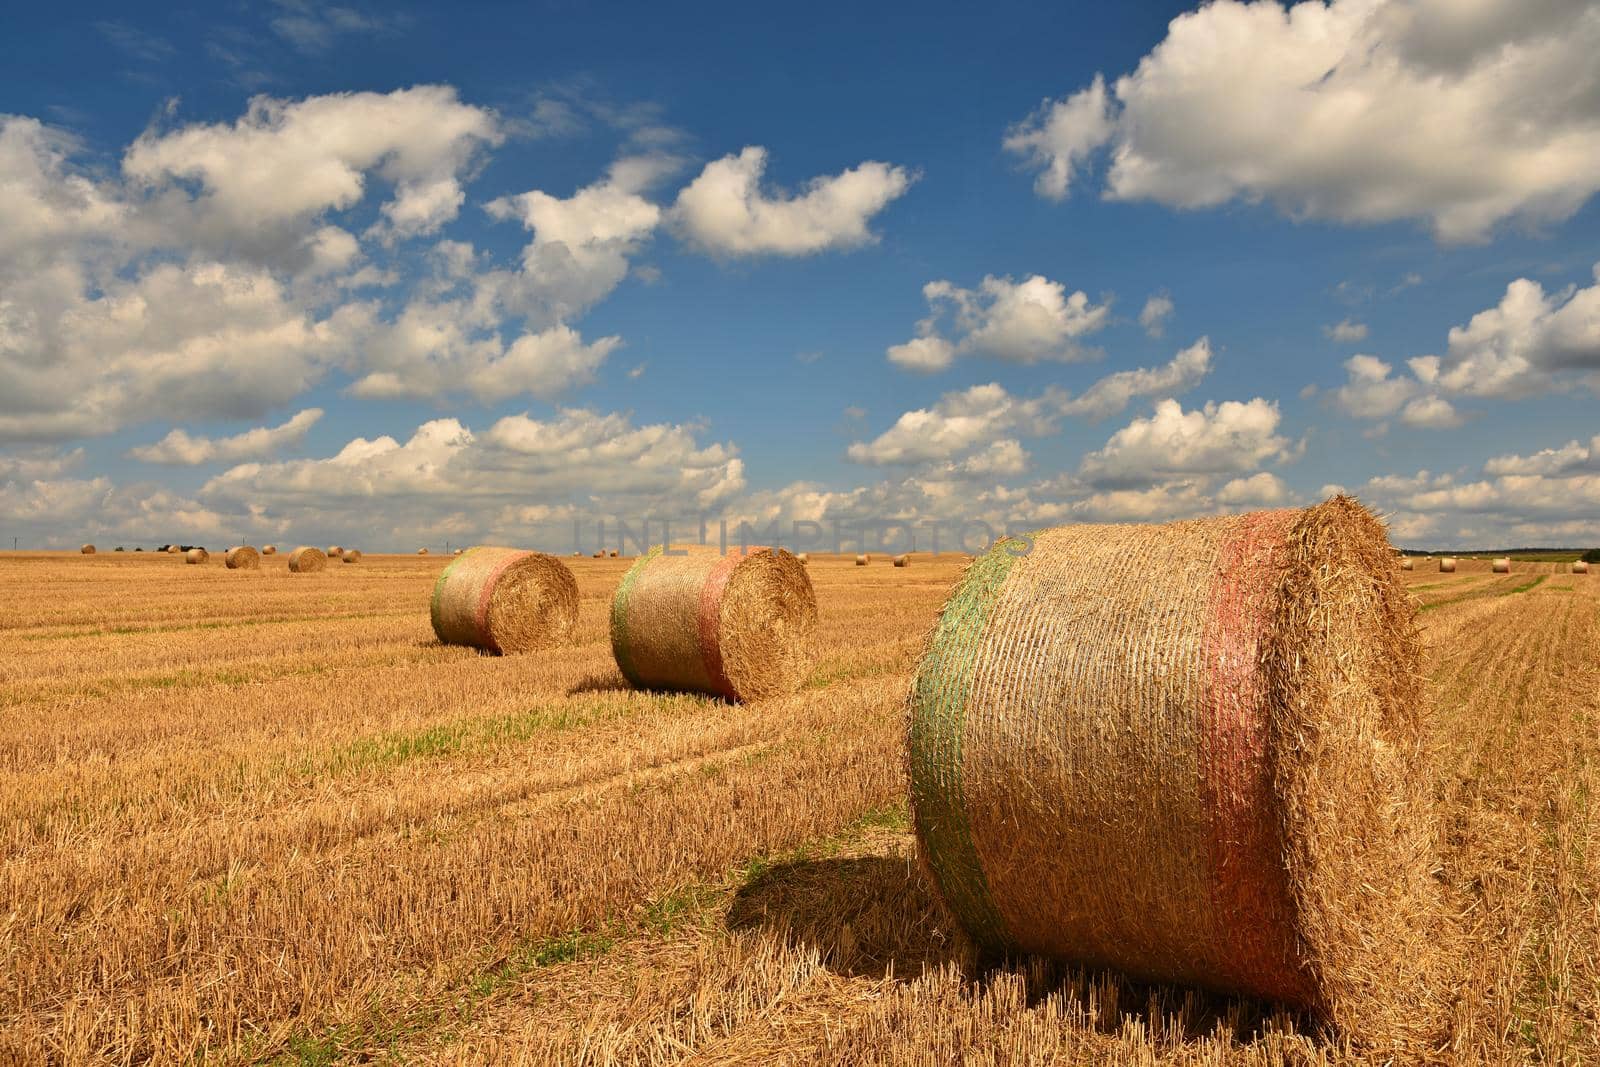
x=253, y=817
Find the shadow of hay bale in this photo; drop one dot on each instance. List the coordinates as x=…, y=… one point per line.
x=604, y=682
x=876, y=917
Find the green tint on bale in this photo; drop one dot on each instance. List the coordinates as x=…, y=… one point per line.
x=739, y=626
x=504, y=600
x=1193, y=753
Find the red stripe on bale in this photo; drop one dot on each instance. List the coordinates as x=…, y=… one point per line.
x=710, y=623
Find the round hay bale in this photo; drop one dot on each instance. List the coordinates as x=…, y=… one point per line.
x=613, y=553
x=600, y=555
x=504, y=600
x=457, y=552
x=87, y=550
x=305, y=560
x=242, y=558
x=738, y=626
x=173, y=550
x=862, y=561
x=804, y=557
x=269, y=550
x=351, y=555
x=1189, y=752
x=1447, y=565
x=422, y=552
x=1406, y=564
x=1580, y=567
x=196, y=555
x=334, y=551
x=901, y=561
x=1502, y=565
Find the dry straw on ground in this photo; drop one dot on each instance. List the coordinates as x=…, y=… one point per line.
x=87, y=550
x=1190, y=752
x=740, y=625
x=1447, y=565
x=196, y=555
x=242, y=558
x=351, y=555
x=862, y=561
x=269, y=550
x=306, y=559
x=1502, y=565
x=505, y=600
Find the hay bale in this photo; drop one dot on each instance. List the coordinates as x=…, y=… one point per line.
x=87, y=550
x=613, y=553
x=305, y=560
x=739, y=625
x=804, y=557
x=334, y=551
x=863, y=560
x=242, y=558
x=901, y=561
x=269, y=550
x=1580, y=567
x=196, y=555
x=1189, y=752
x=505, y=600
x=1447, y=565
x=1502, y=565
x=457, y=552
x=173, y=550
x=422, y=552
x=1406, y=564
x=351, y=555
x=600, y=555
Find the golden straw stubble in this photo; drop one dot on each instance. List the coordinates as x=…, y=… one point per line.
x=504, y=600
x=242, y=558
x=306, y=560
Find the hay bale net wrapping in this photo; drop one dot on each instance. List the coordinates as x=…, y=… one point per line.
x=242, y=558
x=1502, y=566
x=1180, y=751
x=305, y=560
x=740, y=626
x=196, y=555
x=504, y=600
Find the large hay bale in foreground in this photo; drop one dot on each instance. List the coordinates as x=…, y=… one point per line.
x=242, y=558
x=87, y=550
x=306, y=560
x=1580, y=567
x=269, y=550
x=1447, y=565
x=504, y=600
x=1190, y=752
x=740, y=625
x=1502, y=565
x=196, y=555
x=351, y=555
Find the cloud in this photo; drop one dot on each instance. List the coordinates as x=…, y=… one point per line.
x=1518, y=347
x=1263, y=490
x=431, y=350
x=1571, y=458
x=180, y=448
x=1431, y=413
x=1370, y=392
x=1227, y=438
x=1112, y=393
x=1346, y=331
x=959, y=424
x=1155, y=313
x=1313, y=108
x=313, y=30
x=265, y=180
x=724, y=211
x=1022, y=322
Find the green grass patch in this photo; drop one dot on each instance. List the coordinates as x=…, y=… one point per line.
x=1479, y=594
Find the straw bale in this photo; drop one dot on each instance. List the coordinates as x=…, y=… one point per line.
x=1447, y=565
x=1580, y=567
x=863, y=560
x=740, y=626
x=1502, y=565
x=269, y=550
x=1406, y=564
x=173, y=550
x=803, y=557
x=196, y=555
x=87, y=550
x=422, y=551
x=305, y=560
x=1191, y=752
x=334, y=551
x=901, y=561
x=504, y=600
x=242, y=558
x=351, y=555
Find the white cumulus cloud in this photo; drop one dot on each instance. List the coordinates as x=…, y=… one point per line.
x=181, y=448
x=1022, y=322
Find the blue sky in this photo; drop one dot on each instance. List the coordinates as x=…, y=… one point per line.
x=400, y=276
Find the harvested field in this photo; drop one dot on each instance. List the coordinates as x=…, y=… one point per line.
x=278, y=820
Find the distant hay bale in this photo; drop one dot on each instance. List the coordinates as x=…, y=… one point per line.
x=1447, y=565
x=351, y=555
x=504, y=600
x=242, y=558
x=740, y=625
x=600, y=555
x=613, y=553
x=334, y=551
x=803, y=557
x=1580, y=567
x=457, y=552
x=863, y=560
x=306, y=560
x=269, y=550
x=87, y=550
x=901, y=561
x=196, y=555
x=422, y=551
x=1189, y=752
x=173, y=550
x=1502, y=565
x=1406, y=564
